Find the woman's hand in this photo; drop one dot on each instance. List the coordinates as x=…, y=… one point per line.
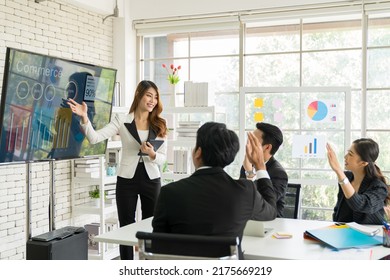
x=333, y=162
x=147, y=148
x=254, y=152
x=79, y=109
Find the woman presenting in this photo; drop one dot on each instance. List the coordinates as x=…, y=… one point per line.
x=138, y=173
x=362, y=189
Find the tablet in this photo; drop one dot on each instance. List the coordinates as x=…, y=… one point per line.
x=156, y=145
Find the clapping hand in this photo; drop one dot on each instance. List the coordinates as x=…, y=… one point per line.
x=254, y=152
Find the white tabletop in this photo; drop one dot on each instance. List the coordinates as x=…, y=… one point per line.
x=126, y=235
x=298, y=248
x=268, y=247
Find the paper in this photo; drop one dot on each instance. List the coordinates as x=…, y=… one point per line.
x=309, y=146
x=365, y=229
x=282, y=235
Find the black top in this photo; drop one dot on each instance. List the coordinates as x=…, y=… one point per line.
x=210, y=202
x=365, y=206
x=279, y=181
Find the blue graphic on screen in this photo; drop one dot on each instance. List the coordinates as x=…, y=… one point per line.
x=37, y=123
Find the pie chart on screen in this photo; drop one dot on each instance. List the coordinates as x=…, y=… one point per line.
x=317, y=110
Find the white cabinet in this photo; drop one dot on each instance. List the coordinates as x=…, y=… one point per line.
x=174, y=116
x=85, y=205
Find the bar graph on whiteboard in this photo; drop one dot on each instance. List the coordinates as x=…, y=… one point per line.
x=309, y=146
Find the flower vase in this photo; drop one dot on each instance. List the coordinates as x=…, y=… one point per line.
x=172, y=95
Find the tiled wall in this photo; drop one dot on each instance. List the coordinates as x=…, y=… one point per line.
x=63, y=31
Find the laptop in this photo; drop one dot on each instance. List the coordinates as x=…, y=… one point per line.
x=256, y=228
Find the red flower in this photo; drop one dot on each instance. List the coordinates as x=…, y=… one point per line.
x=173, y=77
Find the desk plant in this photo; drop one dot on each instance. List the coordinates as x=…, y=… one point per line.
x=94, y=193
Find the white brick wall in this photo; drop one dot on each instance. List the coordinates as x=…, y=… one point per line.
x=56, y=29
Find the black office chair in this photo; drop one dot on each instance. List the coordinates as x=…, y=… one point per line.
x=171, y=246
x=292, y=200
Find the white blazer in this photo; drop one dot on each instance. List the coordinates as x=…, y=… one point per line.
x=130, y=146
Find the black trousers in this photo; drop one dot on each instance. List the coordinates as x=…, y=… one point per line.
x=127, y=192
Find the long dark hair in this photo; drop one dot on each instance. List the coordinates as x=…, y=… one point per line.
x=157, y=123
x=368, y=150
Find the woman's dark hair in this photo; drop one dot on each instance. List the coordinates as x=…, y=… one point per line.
x=368, y=150
x=157, y=123
x=219, y=145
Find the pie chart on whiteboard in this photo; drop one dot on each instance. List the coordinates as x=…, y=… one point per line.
x=317, y=110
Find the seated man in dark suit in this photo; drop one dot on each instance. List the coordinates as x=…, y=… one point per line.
x=270, y=137
x=210, y=202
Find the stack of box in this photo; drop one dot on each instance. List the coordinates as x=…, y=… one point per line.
x=197, y=95
x=183, y=162
x=109, y=194
x=87, y=168
x=187, y=130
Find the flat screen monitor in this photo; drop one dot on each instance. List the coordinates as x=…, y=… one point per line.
x=36, y=122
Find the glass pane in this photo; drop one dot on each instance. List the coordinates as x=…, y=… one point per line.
x=272, y=70
x=336, y=68
x=378, y=109
x=378, y=67
x=378, y=32
x=270, y=39
x=284, y=155
x=319, y=174
x=214, y=43
x=229, y=104
x=332, y=35
x=382, y=138
x=180, y=44
x=233, y=169
x=280, y=109
x=316, y=214
x=173, y=45
x=220, y=72
x=319, y=196
x=356, y=134
x=356, y=109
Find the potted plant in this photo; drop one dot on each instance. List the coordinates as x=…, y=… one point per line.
x=95, y=194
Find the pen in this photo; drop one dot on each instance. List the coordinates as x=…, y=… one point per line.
x=385, y=224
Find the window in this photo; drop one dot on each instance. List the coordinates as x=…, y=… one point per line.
x=298, y=52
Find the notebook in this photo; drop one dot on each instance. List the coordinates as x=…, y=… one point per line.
x=156, y=145
x=255, y=228
x=341, y=236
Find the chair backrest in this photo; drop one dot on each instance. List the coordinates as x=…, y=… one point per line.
x=172, y=246
x=292, y=200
